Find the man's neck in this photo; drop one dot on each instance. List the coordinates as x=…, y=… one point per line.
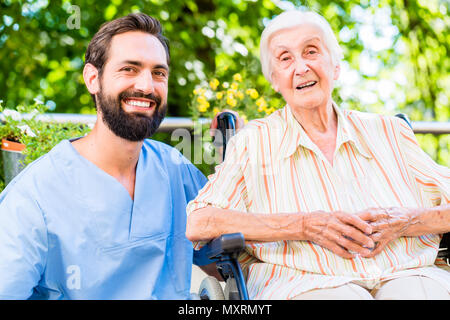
x=114, y=155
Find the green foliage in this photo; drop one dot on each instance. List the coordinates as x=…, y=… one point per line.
x=45, y=57
x=396, y=51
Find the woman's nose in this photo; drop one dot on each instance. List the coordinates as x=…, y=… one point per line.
x=301, y=67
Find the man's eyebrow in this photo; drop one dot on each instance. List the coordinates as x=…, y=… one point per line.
x=132, y=62
x=161, y=66
x=140, y=64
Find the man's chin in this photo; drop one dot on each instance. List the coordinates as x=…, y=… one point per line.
x=132, y=124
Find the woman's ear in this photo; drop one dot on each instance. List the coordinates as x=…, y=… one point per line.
x=91, y=78
x=274, y=83
x=337, y=72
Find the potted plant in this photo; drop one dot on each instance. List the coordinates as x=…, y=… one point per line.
x=26, y=138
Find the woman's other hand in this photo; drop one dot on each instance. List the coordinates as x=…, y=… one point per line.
x=387, y=224
x=343, y=233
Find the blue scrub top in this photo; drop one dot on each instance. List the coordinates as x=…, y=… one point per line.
x=68, y=230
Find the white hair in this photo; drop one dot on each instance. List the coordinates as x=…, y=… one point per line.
x=290, y=19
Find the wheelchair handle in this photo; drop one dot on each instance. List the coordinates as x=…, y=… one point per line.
x=404, y=117
x=226, y=124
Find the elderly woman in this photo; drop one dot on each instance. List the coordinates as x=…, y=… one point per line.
x=335, y=204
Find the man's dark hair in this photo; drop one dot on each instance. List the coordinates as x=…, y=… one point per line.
x=97, y=51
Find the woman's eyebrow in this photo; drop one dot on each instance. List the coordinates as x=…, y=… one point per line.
x=312, y=39
x=306, y=41
x=280, y=49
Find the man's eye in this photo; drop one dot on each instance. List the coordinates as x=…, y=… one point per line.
x=159, y=73
x=128, y=69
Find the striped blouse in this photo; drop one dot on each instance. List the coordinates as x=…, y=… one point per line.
x=272, y=166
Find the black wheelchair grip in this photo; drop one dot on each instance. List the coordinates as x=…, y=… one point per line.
x=226, y=124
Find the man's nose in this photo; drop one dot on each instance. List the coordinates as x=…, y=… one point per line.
x=144, y=82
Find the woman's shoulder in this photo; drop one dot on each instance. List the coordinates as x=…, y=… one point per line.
x=379, y=128
x=362, y=115
x=267, y=131
x=272, y=121
x=370, y=119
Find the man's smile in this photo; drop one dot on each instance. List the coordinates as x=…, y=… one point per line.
x=140, y=102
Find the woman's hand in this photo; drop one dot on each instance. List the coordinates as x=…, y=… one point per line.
x=387, y=224
x=342, y=233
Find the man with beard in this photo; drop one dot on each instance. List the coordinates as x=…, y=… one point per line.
x=103, y=216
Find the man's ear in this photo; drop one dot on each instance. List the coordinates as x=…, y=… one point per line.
x=91, y=78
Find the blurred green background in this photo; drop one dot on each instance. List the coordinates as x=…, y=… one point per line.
x=396, y=51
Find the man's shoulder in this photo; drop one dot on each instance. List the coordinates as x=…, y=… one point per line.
x=45, y=164
x=39, y=172
x=163, y=152
x=156, y=145
x=168, y=156
x=172, y=161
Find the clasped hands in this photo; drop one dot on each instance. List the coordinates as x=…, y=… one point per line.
x=365, y=233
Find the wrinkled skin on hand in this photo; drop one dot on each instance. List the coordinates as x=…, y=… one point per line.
x=387, y=224
x=342, y=233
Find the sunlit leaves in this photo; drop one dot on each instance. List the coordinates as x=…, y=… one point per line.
x=402, y=45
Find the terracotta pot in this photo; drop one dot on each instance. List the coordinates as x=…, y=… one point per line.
x=12, y=159
x=12, y=146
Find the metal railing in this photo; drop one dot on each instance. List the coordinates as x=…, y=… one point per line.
x=171, y=123
x=431, y=127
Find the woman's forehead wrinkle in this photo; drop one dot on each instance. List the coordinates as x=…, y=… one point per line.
x=279, y=40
